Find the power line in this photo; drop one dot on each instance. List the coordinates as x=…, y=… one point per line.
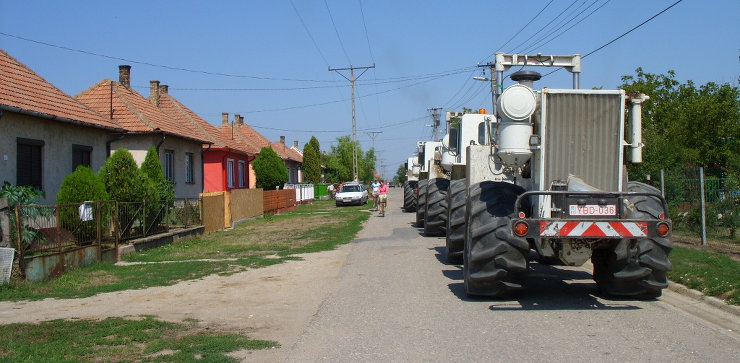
x=545, y=26
x=631, y=30
x=572, y=26
x=162, y=65
x=309, y=33
x=364, y=25
x=623, y=34
x=383, y=80
x=336, y=31
x=342, y=100
x=517, y=33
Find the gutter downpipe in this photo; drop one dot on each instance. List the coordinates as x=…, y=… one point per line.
x=203, y=168
x=164, y=136
x=111, y=141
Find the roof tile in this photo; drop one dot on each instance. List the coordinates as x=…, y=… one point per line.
x=22, y=88
x=132, y=111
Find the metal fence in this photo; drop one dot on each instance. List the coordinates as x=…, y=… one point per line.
x=47, y=229
x=53, y=228
x=140, y=219
x=699, y=204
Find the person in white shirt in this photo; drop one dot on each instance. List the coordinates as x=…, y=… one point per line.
x=376, y=191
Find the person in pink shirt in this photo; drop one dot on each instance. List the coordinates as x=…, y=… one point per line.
x=383, y=190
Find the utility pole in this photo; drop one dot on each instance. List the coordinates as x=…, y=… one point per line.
x=351, y=79
x=435, y=115
x=372, y=135
x=492, y=78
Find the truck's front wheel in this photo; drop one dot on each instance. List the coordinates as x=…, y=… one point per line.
x=436, y=193
x=421, y=202
x=495, y=260
x=455, y=221
x=409, y=198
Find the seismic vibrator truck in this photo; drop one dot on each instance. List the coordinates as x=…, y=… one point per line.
x=552, y=178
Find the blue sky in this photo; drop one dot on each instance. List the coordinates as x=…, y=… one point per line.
x=269, y=60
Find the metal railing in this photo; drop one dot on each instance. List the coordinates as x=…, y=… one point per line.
x=48, y=229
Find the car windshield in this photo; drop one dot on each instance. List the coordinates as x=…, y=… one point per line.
x=350, y=188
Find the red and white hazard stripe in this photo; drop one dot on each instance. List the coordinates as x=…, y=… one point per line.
x=593, y=229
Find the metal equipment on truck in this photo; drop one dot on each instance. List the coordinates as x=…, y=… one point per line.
x=464, y=129
x=410, y=185
x=553, y=179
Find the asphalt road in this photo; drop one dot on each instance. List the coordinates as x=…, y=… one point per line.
x=397, y=301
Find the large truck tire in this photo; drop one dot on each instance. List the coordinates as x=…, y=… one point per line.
x=409, y=198
x=455, y=223
x=421, y=202
x=635, y=267
x=495, y=261
x=434, y=224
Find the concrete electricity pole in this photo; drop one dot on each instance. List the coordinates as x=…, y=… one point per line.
x=494, y=91
x=372, y=135
x=435, y=115
x=351, y=79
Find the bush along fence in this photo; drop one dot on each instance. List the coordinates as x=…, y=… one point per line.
x=700, y=204
x=53, y=238
x=50, y=239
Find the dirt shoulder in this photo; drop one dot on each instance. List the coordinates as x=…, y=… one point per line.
x=272, y=303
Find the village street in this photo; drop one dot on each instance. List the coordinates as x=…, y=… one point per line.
x=388, y=296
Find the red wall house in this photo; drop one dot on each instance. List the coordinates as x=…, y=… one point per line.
x=225, y=169
x=226, y=158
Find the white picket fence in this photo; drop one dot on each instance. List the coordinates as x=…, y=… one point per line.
x=303, y=192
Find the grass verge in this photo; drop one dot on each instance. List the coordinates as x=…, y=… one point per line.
x=712, y=273
x=257, y=243
x=142, y=339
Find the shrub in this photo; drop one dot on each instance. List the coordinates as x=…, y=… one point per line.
x=163, y=188
x=22, y=195
x=81, y=186
x=126, y=183
x=270, y=169
x=123, y=180
x=152, y=168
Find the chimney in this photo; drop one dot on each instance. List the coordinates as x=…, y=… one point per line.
x=295, y=144
x=164, y=89
x=224, y=118
x=238, y=119
x=154, y=93
x=124, y=75
x=282, y=140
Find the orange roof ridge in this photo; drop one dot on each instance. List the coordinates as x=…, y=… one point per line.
x=24, y=90
x=132, y=111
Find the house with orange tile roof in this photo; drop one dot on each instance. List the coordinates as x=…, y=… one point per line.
x=293, y=160
x=46, y=133
x=178, y=144
x=226, y=159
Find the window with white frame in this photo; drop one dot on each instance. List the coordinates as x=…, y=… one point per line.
x=242, y=168
x=230, y=173
x=189, y=168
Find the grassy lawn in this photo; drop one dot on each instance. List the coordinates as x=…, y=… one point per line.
x=256, y=243
x=120, y=340
x=712, y=273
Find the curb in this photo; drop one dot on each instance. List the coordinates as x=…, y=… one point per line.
x=699, y=296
